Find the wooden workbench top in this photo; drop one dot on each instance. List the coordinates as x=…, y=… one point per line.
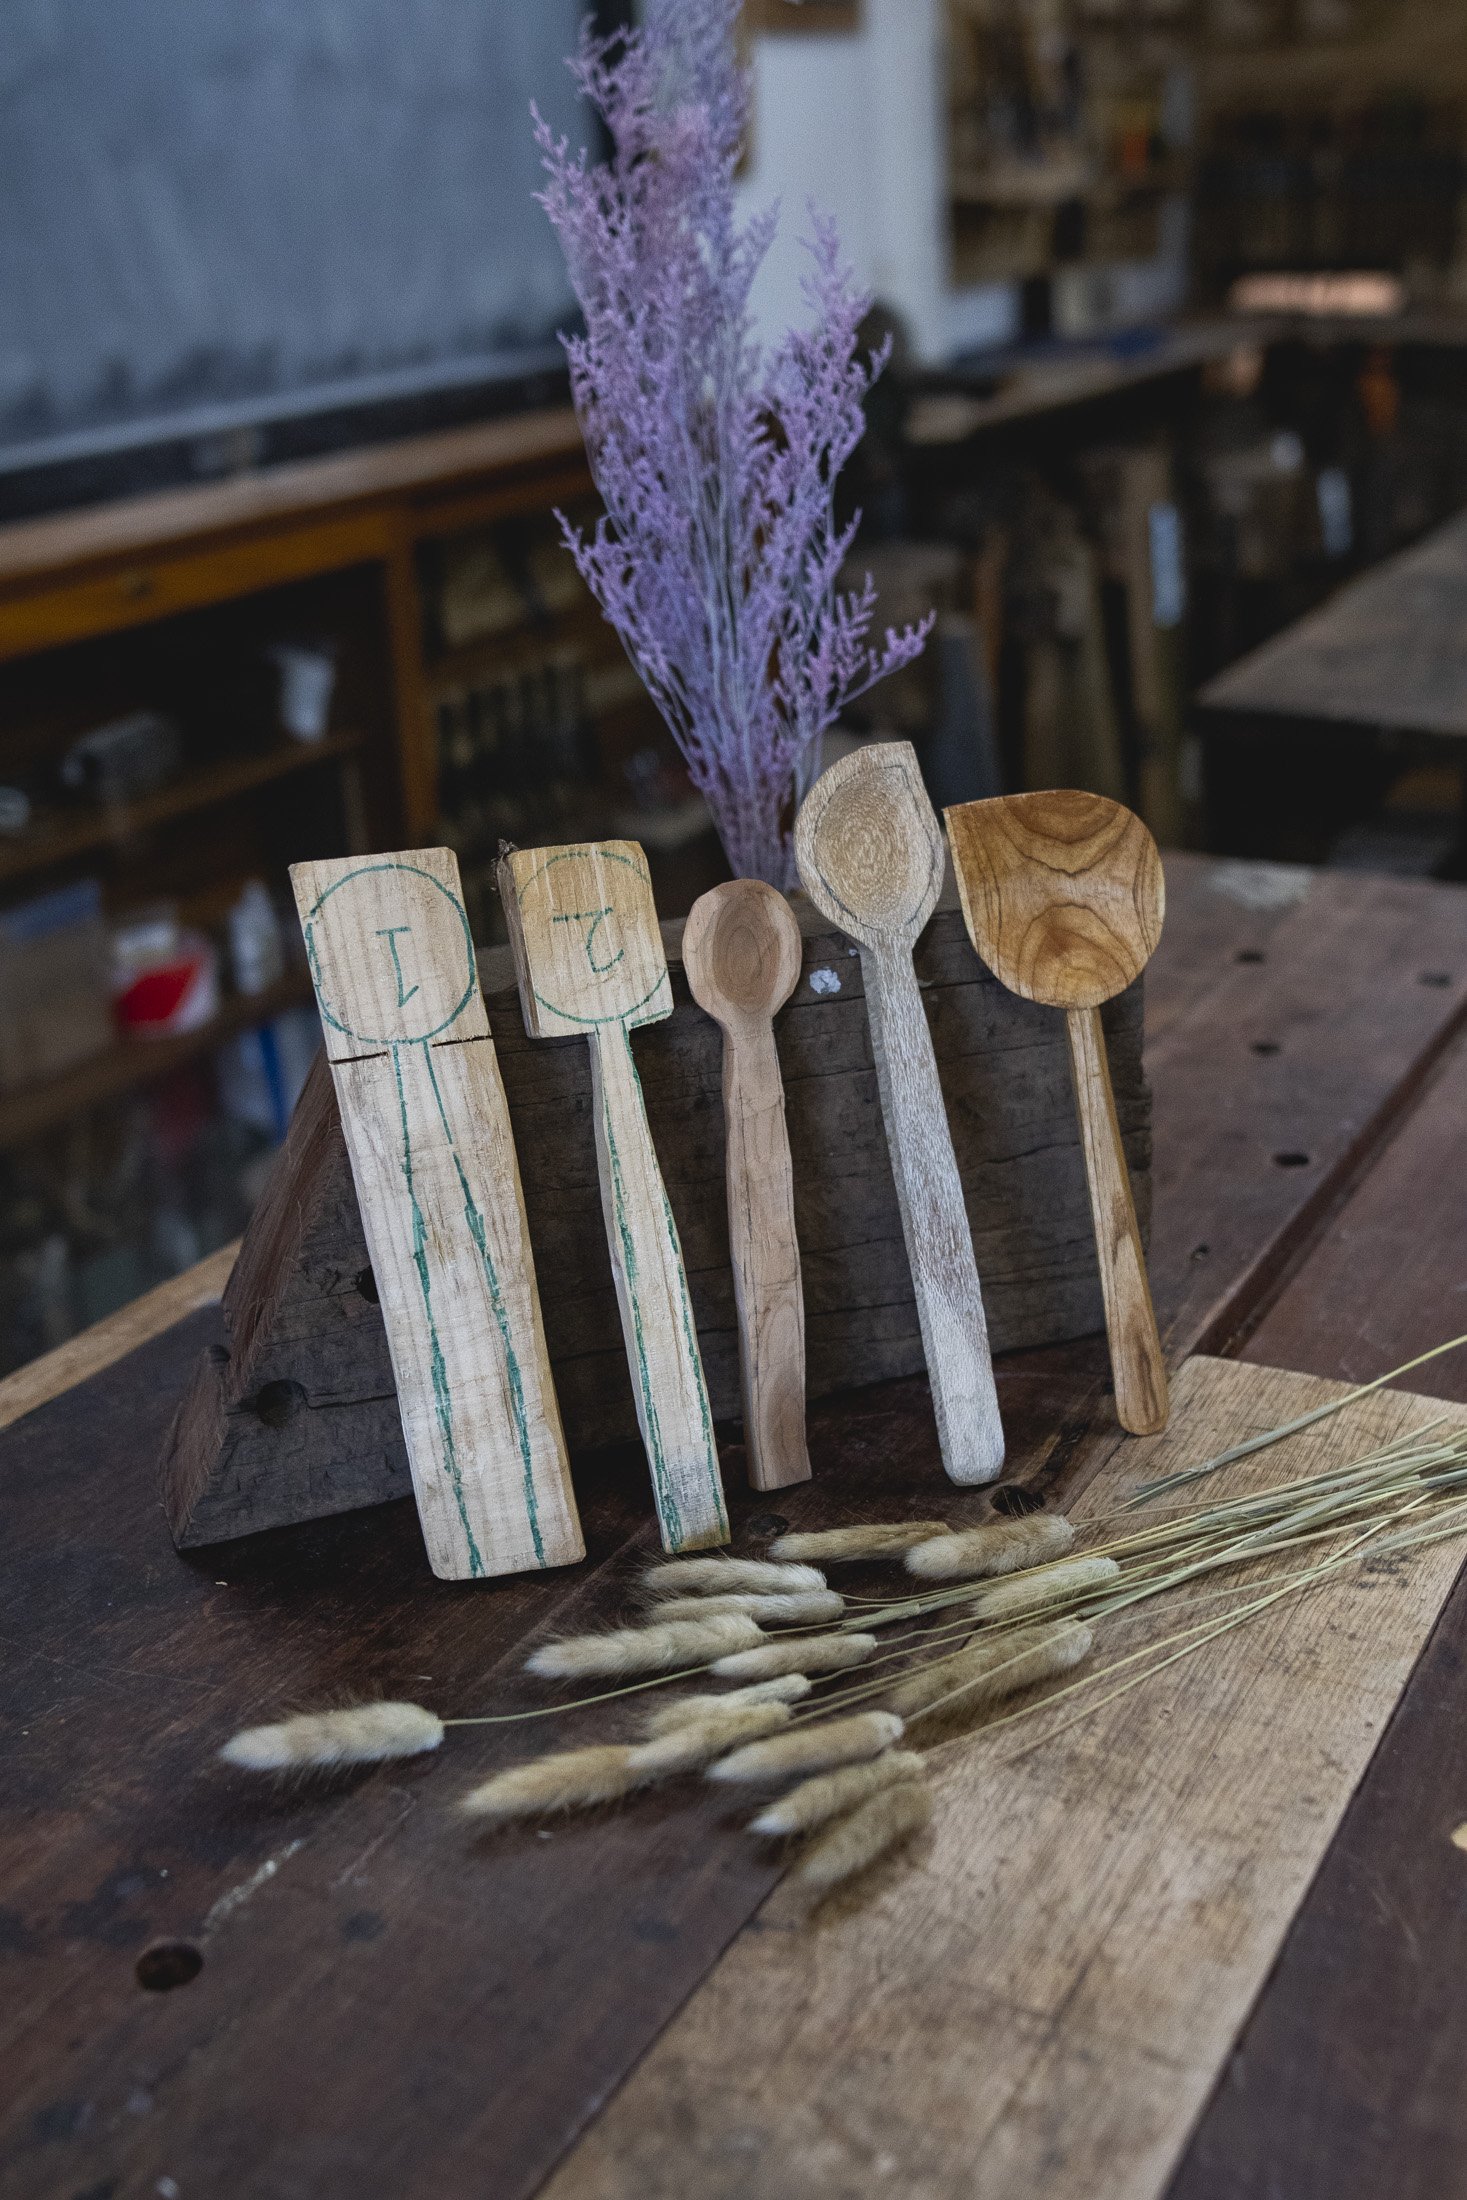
x=385, y=2008
x=1388, y=652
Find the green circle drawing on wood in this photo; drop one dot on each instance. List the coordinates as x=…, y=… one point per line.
x=603, y=961
x=395, y=967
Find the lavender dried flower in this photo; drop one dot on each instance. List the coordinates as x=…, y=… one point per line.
x=719, y=556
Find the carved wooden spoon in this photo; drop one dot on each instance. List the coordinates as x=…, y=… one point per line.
x=1064, y=899
x=743, y=953
x=870, y=853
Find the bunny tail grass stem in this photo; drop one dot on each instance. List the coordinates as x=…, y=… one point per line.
x=1071, y=1579
x=808, y=1654
x=624, y=1651
x=787, y=1689
x=805, y=1608
x=1178, y=1481
x=844, y=1546
x=573, y=1779
x=999, y=1547
x=365, y=1734
x=853, y=1844
x=812, y=1748
x=696, y=1742
x=691, y=1577
x=973, y=1682
x=831, y=1794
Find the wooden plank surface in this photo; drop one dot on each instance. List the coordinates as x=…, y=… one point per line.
x=463, y=2012
x=1376, y=1957
x=1040, y=2003
x=1390, y=650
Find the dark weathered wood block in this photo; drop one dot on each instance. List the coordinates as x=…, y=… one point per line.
x=299, y=1418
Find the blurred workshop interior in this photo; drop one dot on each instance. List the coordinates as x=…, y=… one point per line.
x=1176, y=292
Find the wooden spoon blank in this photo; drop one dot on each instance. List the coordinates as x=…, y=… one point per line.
x=591, y=965
x=743, y=954
x=1064, y=900
x=870, y=854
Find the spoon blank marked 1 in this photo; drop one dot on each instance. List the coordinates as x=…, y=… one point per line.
x=1064, y=899
x=743, y=953
x=591, y=965
x=870, y=855
x=432, y=1155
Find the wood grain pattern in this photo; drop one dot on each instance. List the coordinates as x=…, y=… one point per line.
x=591, y=963
x=1064, y=898
x=870, y=855
x=743, y=955
x=438, y=1190
x=1041, y=2003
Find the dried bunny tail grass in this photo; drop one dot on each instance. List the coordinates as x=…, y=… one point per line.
x=806, y=1608
x=1049, y=1585
x=694, y=1744
x=812, y=1654
x=657, y=1649
x=836, y=1546
x=1001, y=1547
x=573, y=1779
x=854, y=1843
x=831, y=1794
x=367, y=1734
x=955, y=1689
x=789, y=1688
x=812, y=1748
x=697, y=1577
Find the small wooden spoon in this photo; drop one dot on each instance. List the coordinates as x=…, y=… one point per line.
x=1064, y=899
x=869, y=850
x=743, y=954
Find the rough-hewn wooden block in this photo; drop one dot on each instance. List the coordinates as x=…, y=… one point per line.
x=300, y=1419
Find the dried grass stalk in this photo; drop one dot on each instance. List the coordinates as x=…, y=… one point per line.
x=807, y=1608
x=698, y=1577
x=625, y=1651
x=367, y=1734
x=1051, y=1585
x=967, y=1684
x=837, y=1546
x=694, y=1744
x=1000, y=1547
x=572, y=1779
x=811, y=1654
x=789, y=1688
x=855, y=1843
x=831, y=1794
x=812, y=1748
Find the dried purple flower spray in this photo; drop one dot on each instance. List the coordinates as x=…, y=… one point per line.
x=719, y=557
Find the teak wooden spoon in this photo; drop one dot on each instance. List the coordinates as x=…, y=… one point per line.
x=870, y=854
x=743, y=953
x=1064, y=898
x=591, y=965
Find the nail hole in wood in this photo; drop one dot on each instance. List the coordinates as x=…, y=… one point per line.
x=367, y=1287
x=279, y=1402
x=1015, y=1501
x=1438, y=978
x=1291, y=1160
x=1200, y=1252
x=767, y=1524
x=1267, y=1046
x=1251, y=955
x=168, y=1963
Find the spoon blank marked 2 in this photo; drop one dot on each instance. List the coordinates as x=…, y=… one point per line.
x=438, y=1184
x=743, y=953
x=870, y=854
x=1064, y=899
x=591, y=965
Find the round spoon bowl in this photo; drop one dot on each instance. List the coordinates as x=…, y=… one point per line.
x=742, y=952
x=868, y=845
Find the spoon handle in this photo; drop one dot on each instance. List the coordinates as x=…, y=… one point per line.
x=934, y=1219
x=766, y=1259
x=656, y=1314
x=1130, y=1318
